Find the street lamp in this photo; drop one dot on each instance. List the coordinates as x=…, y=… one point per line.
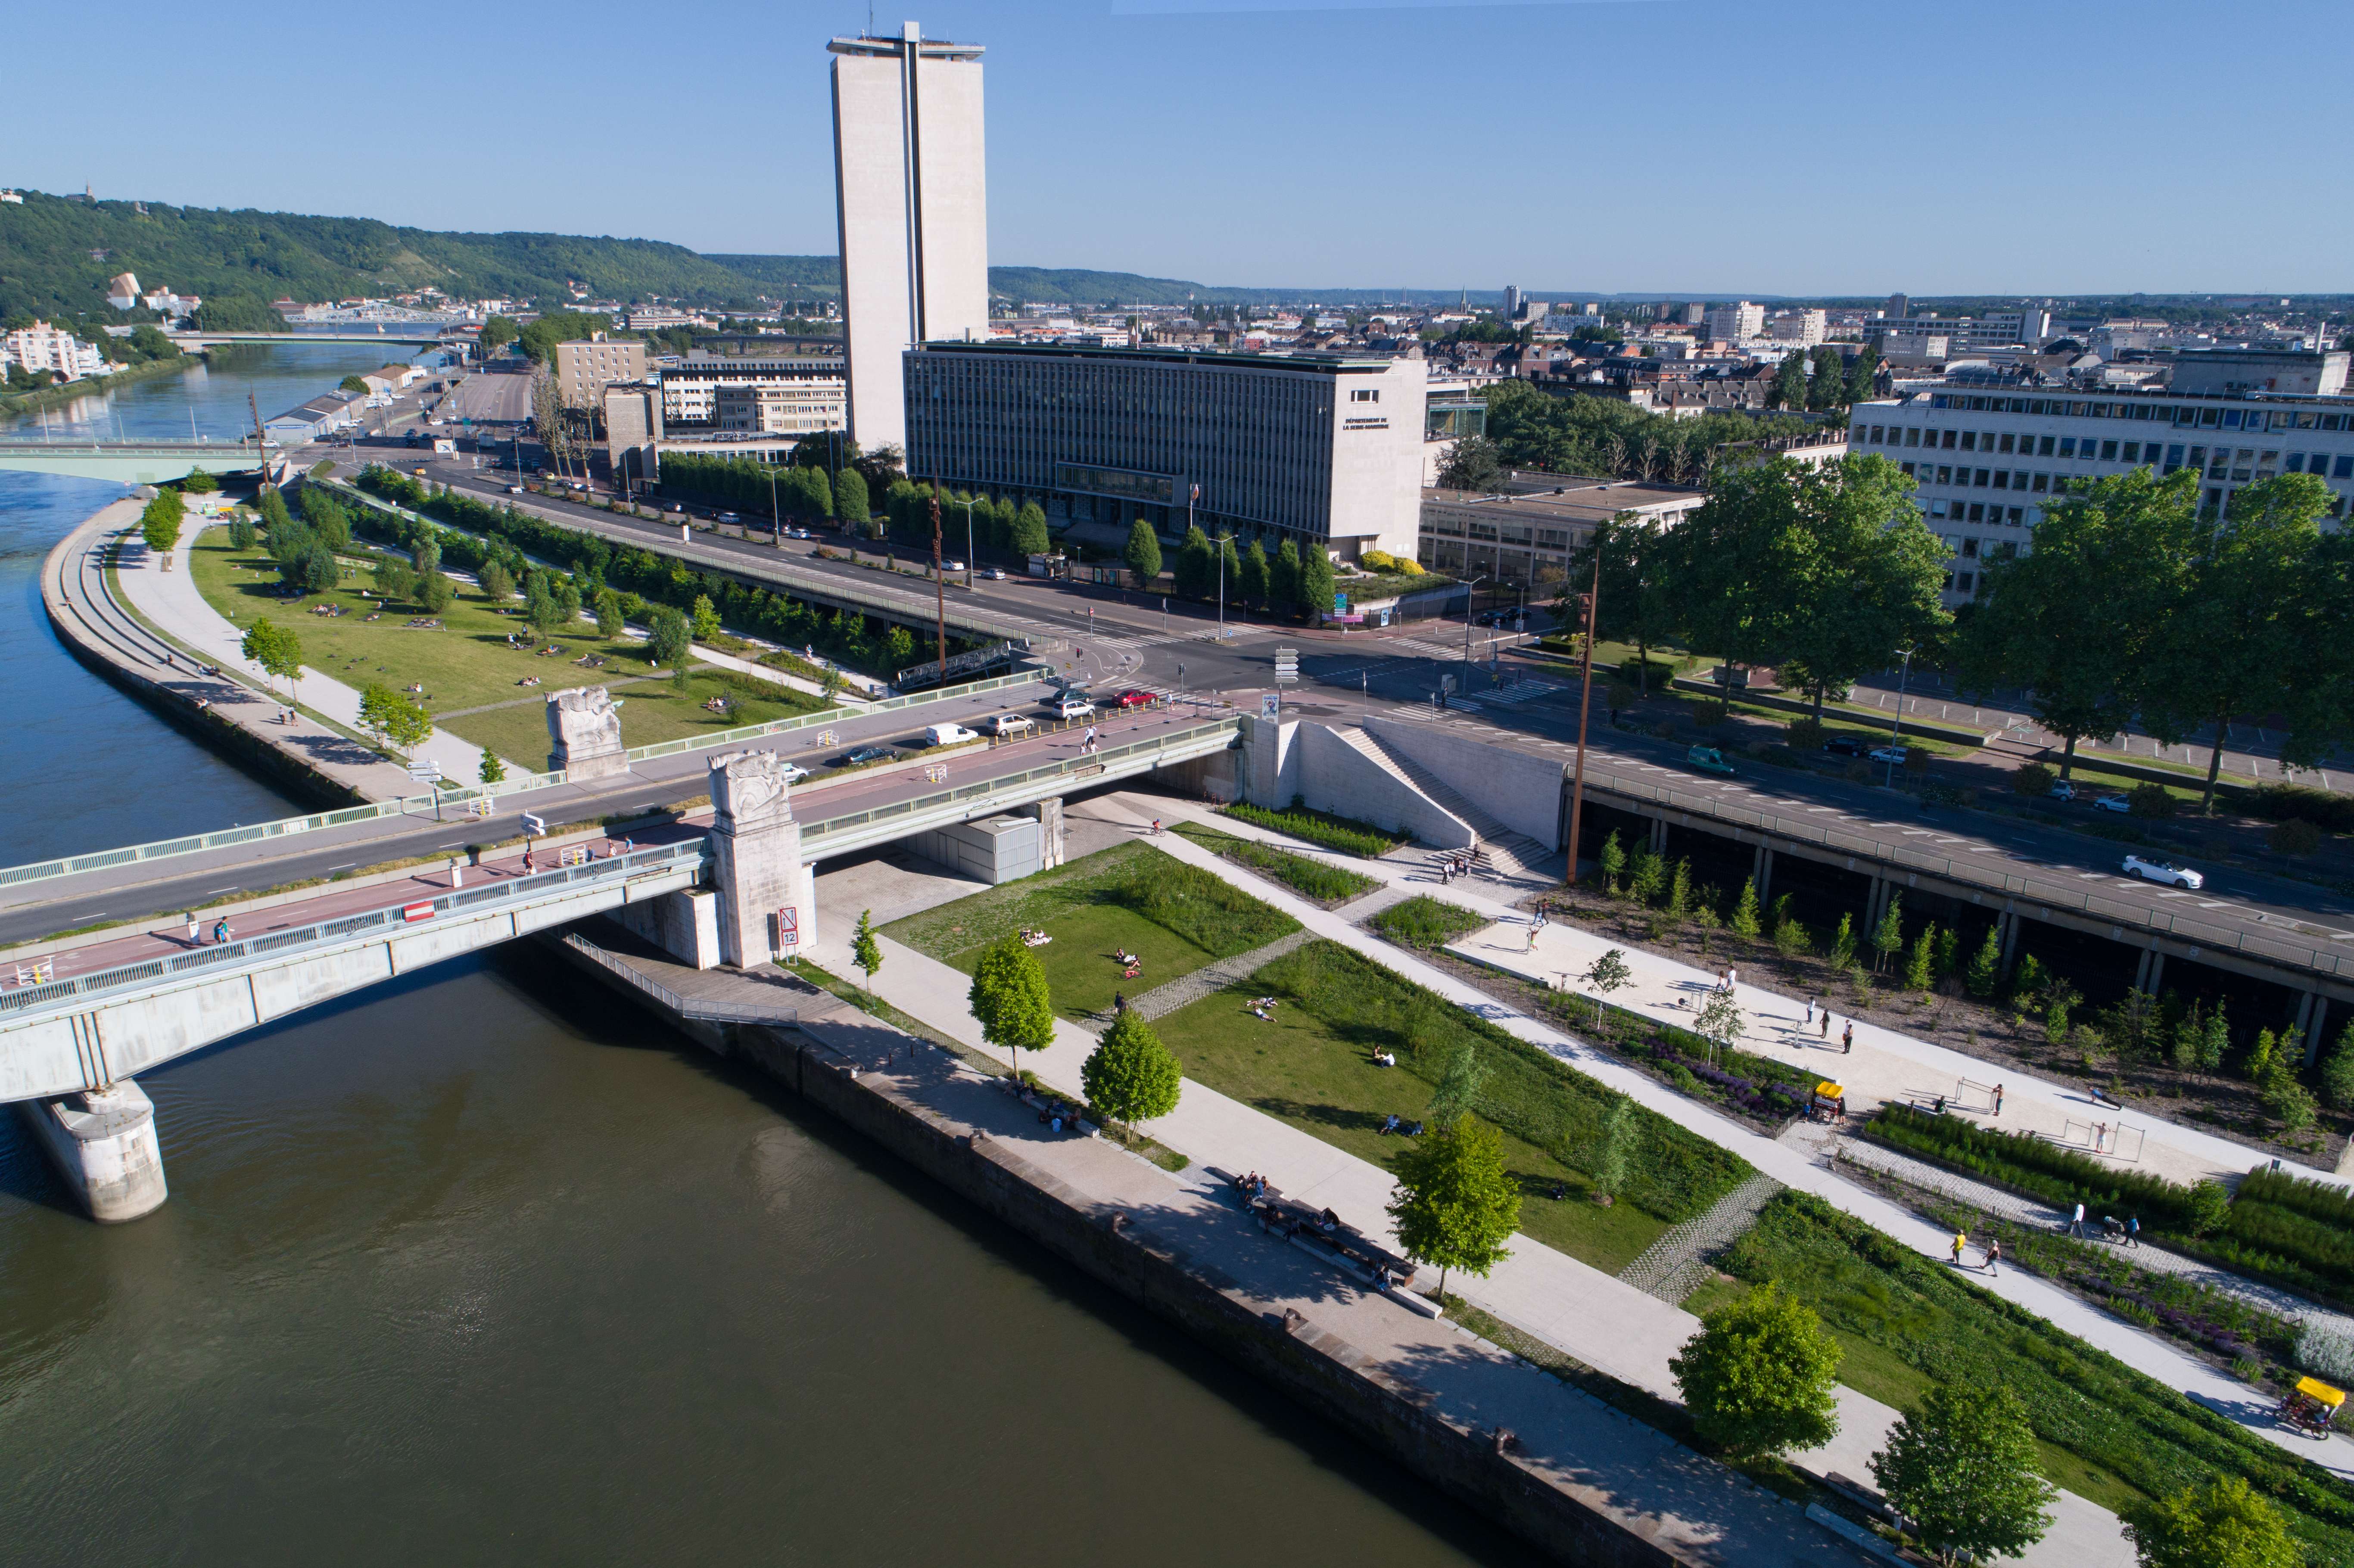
x=1222, y=541
x=1904, y=675
x=1470, y=598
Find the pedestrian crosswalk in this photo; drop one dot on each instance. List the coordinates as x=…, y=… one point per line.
x=1524, y=692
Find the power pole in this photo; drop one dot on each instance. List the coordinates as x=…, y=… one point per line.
x=1584, y=703
x=260, y=447
x=940, y=582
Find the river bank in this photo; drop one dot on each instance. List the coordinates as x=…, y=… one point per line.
x=68, y=392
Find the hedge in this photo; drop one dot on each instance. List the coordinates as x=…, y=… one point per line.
x=1343, y=834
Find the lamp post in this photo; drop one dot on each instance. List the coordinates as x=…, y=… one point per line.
x=968, y=541
x=1585, y=704
x=1904, y=675
x=1470, y=598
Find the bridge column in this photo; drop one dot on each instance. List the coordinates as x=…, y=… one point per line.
x=1761, y=872
x=2313, y=1028
x=1659, y=836
x=755, y=852
x=584, y=735
x=1049, y=814
x=2007, y=923
x=2146, y=975
x=102, y=1141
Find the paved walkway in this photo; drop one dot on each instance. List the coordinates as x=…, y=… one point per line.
x=172, y=602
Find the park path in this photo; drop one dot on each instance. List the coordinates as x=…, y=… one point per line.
x=1215, y=975
x=171, y=599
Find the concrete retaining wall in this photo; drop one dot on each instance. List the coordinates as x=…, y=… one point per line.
x=1336, y=777
x=684, y=925
x=1521, y=791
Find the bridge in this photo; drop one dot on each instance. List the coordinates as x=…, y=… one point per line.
x=406, y=334
x=136, y=462
x=732, y=883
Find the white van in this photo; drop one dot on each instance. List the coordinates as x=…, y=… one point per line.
x=948, y=735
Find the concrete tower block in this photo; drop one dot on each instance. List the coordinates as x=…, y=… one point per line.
x=584, y=734
x=102, y=1141
x=755, y=849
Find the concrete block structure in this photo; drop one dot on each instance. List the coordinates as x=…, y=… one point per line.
x=584, y=734
x=685, y=925
x=992, y=849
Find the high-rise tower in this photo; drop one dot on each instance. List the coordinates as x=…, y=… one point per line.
x=910, y=188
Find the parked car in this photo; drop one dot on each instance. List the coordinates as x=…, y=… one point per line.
x=2063, y=790
x=948, y=735
x=1708, y=760
x=994, y=574
x=727, y=517
x=675, y=506
x=868, y=754
x=1134, y=698
x=1891, y=753
x=2116, y=803
x=1844, y=745
x=515, y=490
x=2147, y=868
x=1067, y=706
x=951, y=566
x=1006, y=724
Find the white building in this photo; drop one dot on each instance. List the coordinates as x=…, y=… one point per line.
x=1985, y=457
x=1805, y=328
x=692, y=389
x=1995, y=329
x=1736, y=323
x=41, y=347
x=911, y=189
x=802, y=408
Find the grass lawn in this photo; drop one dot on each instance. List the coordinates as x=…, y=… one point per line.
x=1320, y=1078
x=467, y=664
x=1132, y=896
x=1423, y=921
x=1312, y=879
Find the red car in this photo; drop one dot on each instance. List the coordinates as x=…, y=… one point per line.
x=1133, y=698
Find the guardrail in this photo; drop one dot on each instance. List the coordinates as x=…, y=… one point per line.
x=686, y=1007
x=334, y=932
x=2198, y=933
x=1078, y=767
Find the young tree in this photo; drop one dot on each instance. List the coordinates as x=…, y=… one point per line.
x=493, y=771
x=1458, y=1088
x=241, y=531
x=393, y=577
x=1131, y=1076
x=1986, y=968
x=393, y=717
x=1917, y=973
x=276, y=649
x=1962, y=1464
x=1888, y=937
x=159, y=522
x=610, y=619
x=435, y=592
x=1455, y=1203
x=1143, y=553
x=1010, y=999
x=1607, y=974
x=2222, y=1524
x=1760, y=1376
x=1745, y=922
x=1720, y=1021
x=498, y=582
x=274, y=514
x=1614, y=864
x=864, y=951
x=703, y=619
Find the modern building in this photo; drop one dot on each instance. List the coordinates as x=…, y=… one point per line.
x=792, y=408
x=1525, y=534
x=1995, y=329
x=1511, y=301
x=41, y=347
x=692, y=389
x=1735, y=322
x=1985, y=457
x=1324, y=449
x=584, y=369
x=321, y=415
x=911, y=190
x=1804, y=328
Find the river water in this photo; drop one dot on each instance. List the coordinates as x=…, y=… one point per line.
x=482, y=1266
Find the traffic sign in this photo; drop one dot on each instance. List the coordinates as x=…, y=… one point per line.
x=1286, y=665
x=425, y=772
x=417, y=911
x=789, y=927
x=533, y=826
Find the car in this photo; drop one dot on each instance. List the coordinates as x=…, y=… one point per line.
x=1844, y=745
x=1005, y=724
x=2147, y=868
x=515, y=490
x=1067, y=706
x=1708, y=760
x=673, y=506
x=794, y=772
x=866, y=754
x=2063, y=790
x=1891, y=753
x=951, y=566
x=948, y=735
x=797, y=532
x=726, y=517
x=994, y=574
x=2116, y=803
x=1133, y=698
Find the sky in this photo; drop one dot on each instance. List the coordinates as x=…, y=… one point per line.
x=1642, y=146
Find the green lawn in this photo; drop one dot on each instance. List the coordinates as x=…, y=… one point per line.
x=1132, y=896
x=467, y=663
x=1312, y=879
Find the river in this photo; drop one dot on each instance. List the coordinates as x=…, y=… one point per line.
x=479, y=1267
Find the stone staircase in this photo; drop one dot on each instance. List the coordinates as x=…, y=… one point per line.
x=1508, y=855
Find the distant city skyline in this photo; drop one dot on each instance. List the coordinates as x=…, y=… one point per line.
x=1815, y=151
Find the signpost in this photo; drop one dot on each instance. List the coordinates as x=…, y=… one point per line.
x=1286, y=672
x=789, y=930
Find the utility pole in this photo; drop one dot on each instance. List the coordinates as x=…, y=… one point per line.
x=940, y=582
x=260, y=447
x=1585, y=704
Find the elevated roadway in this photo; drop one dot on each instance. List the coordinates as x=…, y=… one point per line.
x=136, y=461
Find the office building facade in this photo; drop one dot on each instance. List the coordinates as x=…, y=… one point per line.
x=584, y=369
x=912, y=200
x=694, y=389
x=1323, y=450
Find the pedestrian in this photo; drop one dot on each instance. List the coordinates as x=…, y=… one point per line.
x=1961, y=1239
x=1720, y=977
x=1810, y=1009
x=1732, y=978
x=1847, y=1038
x=2133, y=1231
x=1827, y=1025
x=220, y=932
x=1119, y=1002
x=526, y=860
x=1998, y=1100
x=1994, y=1256
x=2076, y=1221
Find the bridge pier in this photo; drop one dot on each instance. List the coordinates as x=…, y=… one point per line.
x=102, y=1142
x=1049, y=814
x=755, y=856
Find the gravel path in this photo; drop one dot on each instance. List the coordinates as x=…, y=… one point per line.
x=1674, y=1267
x=1166, y=999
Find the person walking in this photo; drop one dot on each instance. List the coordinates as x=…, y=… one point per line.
x=1732, y=978
x=2132, y=1230
x=1994, y=1256
x=1847, y=1038
x=220, y=932
x=1810, y=1011
x=1961, y=1239
x=1827, y=1025
x=1998, y=1100
x=2076, y=1221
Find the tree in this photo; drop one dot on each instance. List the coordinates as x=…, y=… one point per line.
x=1738, y=569
x=1455, y=1203
x=864, y=951
x=1196, y=566
x=1986, y=968
x=1635, y=606
x=1745, y=922
x=241, y=531
x=199, y=482
x=1315, y=580
x=399, y=721
x=1030, y=530
x=425, y=555
x=352, y=383
x=1143, y=553
x=1873, y=572
x=493, y=771
x=850, y=505
x=1472, y=462
x=393, y=577
x=703, y=619
x=1720, y=1021
x=274, y=514
x=2075, y=621
x=1458, y=1087
x=1614, y=864
x=1009, y=998
x=1607, y=974
x=610, y=619
x=1283, y=579
x=1862, y=376
x=276, y=649
x=1760, y=1376
x=1888, y=937
x=1131, y=1076
x=498, y=582
x=668, y=637
x=1918, y=976
x=2337, y=1072
x=159, y=522
x=435, y=592
x=1962, y=1463
x=2234, y=641
x=2222, y=1524
x=1789, y=389
x=1251, y=576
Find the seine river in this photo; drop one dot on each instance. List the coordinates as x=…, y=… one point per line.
x=482, y=1267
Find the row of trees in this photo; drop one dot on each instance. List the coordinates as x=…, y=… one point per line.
x=1824, y=381
x=1822, y=571
x=993, y=522
x=2137, y=605
x=796, y=492
x=1602, y=436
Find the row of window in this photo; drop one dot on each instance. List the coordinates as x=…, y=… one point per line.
x=2090, y=449
x=2206, y=416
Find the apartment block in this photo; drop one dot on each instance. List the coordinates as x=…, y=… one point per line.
x=584, y=369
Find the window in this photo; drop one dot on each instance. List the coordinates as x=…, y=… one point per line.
x=2214, y=499
x=2198, y=458
x=1912, y=437
x=2173, y=458
x=2133, y=451
x=1962, y=583
x=2108, y=451
x=1949, y=441
x=2295, y=465
x=1969, y=440
x=1981, y=479
x=2005, y=447
x=2001, y=482
x=2208, y=417
x=2231, y=418
x=1970, y=551
x=2067, y=446
x=2017, y=515
x=1905, y=468
x=2042, y=482
x=1364, y=395
x=1977, y=512
x=1944, y=475
x=1952, y=541
x=2344, y=469
x=2045, y=449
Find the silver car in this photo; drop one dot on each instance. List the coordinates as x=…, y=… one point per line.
x=2149, y=868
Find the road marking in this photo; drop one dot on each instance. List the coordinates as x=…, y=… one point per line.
x=236, y=889
x=2211, y=903
x=2090, y=875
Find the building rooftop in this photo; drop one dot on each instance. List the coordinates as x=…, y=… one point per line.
x=1583, y=501
x=1172, y=355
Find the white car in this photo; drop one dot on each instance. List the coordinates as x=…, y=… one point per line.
x=1004, y=724
x=948, y=735
x=2063, y=790
x=515, y=490
x=1069, y=707
x=994, y=574
x=794, y=772
x=2148, y=870
x=951, y=566
x=2116, y=803
x=1895, y=754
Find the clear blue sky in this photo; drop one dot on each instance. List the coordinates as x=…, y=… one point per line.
x=1678, y=145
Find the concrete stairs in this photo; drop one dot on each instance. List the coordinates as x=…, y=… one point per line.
x=1508, y=854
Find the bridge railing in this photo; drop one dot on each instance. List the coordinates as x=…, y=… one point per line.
x=705, y=1008
x=1074, y=767
x=2025, y=889
x=342, y=927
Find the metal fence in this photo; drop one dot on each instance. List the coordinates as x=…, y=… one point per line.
x=334, y=932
